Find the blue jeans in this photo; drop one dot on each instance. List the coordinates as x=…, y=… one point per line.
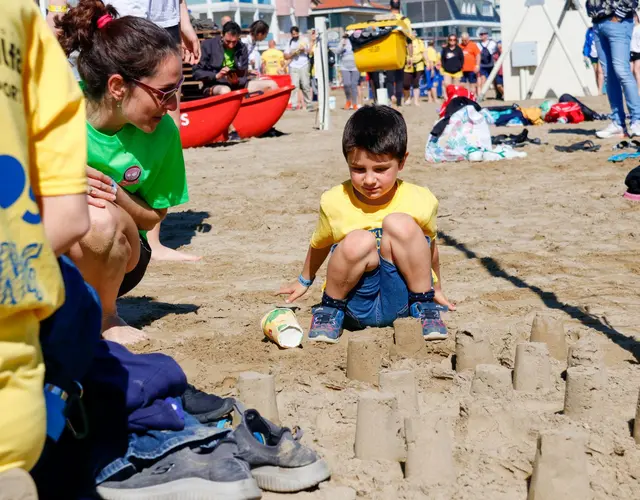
x=613, y=53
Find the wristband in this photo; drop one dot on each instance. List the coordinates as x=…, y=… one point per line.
x=58, y=9
x=304, y=282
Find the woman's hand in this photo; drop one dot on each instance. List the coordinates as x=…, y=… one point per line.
x=294, y=291
x=101, y=189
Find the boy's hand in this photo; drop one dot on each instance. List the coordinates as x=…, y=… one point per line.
x=294, y=291
x=441, y=299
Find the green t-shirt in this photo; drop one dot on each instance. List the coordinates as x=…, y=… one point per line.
x=229, y=59
x=149, y=165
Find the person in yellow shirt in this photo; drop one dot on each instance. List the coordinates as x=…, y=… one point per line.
x=43, y=212
x=413, y=70
x=380, y=232
x=273, y=62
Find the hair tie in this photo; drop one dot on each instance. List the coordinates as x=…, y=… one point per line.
x=104, y=20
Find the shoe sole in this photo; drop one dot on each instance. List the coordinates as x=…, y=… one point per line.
x=324, y=338
x=187, y=489
x=285, y=480
x=16, y=484
x=436, y=336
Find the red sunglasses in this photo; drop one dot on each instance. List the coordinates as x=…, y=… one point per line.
x=164, y=96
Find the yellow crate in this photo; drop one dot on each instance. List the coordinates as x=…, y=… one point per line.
x=387, y=53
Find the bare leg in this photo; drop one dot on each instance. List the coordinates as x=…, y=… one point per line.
x=107, y=252
x=261, y=85
x=403, y=244
x=356, y=254
x=600, y=78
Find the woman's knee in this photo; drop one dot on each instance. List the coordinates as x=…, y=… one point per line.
x=106, y=232
x=400, y=226
x=357, y=245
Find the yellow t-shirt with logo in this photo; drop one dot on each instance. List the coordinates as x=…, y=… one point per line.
x=273, y=60
x=417, y=59
x=42, y=153
x=433, y=55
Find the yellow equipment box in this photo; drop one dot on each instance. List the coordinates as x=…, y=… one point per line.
x=379, y=45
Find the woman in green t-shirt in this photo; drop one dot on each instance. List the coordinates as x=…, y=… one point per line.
x=131, y=71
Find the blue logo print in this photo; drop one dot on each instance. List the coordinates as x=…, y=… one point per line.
x=14, y=182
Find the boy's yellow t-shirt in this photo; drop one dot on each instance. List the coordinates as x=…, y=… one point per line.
x=341, y=212
x=273, y=60
x=42, y=153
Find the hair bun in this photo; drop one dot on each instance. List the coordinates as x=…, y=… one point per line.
x=79, y=25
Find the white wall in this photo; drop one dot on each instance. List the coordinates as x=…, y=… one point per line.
x=557, y=77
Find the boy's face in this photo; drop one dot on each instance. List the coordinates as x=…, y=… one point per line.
x=374, y=176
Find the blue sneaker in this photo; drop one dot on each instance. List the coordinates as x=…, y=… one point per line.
x=433, y=328
x=326, y=324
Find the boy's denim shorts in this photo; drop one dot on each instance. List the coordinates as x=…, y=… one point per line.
x=380, y=297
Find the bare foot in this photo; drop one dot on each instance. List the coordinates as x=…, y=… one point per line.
x=114, y=328
x=164, y=253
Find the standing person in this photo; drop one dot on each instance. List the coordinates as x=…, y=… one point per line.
x=414, y=69
x=297, y=53
x=613, y=24
x=471, y=65
x=132, y=72
x=432, y=74
x=452, y=61
x=487, y=49
x=172, y=15
x=499, y=81
x=590, y=53
x=349, y=71
x=635, y=49
x=43, y=212
x=273, y=62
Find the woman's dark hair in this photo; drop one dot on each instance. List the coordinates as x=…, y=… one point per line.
x=258, y=28
x=232, y=28
x=128, y=46
x=380, y=130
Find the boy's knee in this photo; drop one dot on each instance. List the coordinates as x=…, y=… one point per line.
x=358, y=244
x=400, y=225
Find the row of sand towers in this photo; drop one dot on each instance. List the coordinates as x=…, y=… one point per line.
x=389, y=426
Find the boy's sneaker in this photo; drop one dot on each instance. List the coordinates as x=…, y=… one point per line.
x=612, y=130
x=187, y=474
x=16, y=484
x=433, y=328
x=326, y=324
x=278, y=461
x=634, y=129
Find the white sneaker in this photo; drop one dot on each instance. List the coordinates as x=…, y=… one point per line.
x=613, y=130
x=634, y=130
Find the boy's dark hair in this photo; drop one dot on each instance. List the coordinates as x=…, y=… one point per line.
x=128, y=46
x=380, y=130
x=259, y=28
x=294, y=28
x=232, y=28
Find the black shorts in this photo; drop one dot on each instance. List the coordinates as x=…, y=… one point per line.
x=412, y=79
x=174, y=31
x=133, y=277
x=635, y=56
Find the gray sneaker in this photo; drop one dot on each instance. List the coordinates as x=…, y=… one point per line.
x=189, y=475
x=278, y=461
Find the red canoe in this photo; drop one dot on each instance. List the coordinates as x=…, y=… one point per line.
x=205, y=119
x=281, y=80
x=261, y=111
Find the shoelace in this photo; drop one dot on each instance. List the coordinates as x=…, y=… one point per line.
x=322, y=318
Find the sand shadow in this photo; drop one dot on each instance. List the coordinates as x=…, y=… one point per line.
x=143, y=311
x=574, y=131
x=179, y=228
x=549, y=298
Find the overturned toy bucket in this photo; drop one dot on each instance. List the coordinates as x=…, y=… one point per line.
x=282, y=327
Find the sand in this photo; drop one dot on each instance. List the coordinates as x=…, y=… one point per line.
x=550, y=233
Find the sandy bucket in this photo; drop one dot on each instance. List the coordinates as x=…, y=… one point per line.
x=282, y=327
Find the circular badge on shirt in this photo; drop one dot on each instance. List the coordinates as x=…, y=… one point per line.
x=132, y=174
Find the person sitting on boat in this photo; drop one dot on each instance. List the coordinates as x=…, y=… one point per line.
x=224, y=65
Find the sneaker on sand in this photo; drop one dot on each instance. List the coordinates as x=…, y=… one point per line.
x=326, y=324
x=185, y=474
x=612, y=130
x=16, y=484
x=433, y=328
x=634, y=129
x=278, y=461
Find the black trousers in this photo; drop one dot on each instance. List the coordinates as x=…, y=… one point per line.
x=395, y=84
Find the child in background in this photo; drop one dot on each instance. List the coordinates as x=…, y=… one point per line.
x=43, y=212
x=380, y=232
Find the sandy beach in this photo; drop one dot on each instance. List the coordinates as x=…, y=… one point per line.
x=548, y=234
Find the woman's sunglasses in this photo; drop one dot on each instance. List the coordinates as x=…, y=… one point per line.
x=164, y=96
